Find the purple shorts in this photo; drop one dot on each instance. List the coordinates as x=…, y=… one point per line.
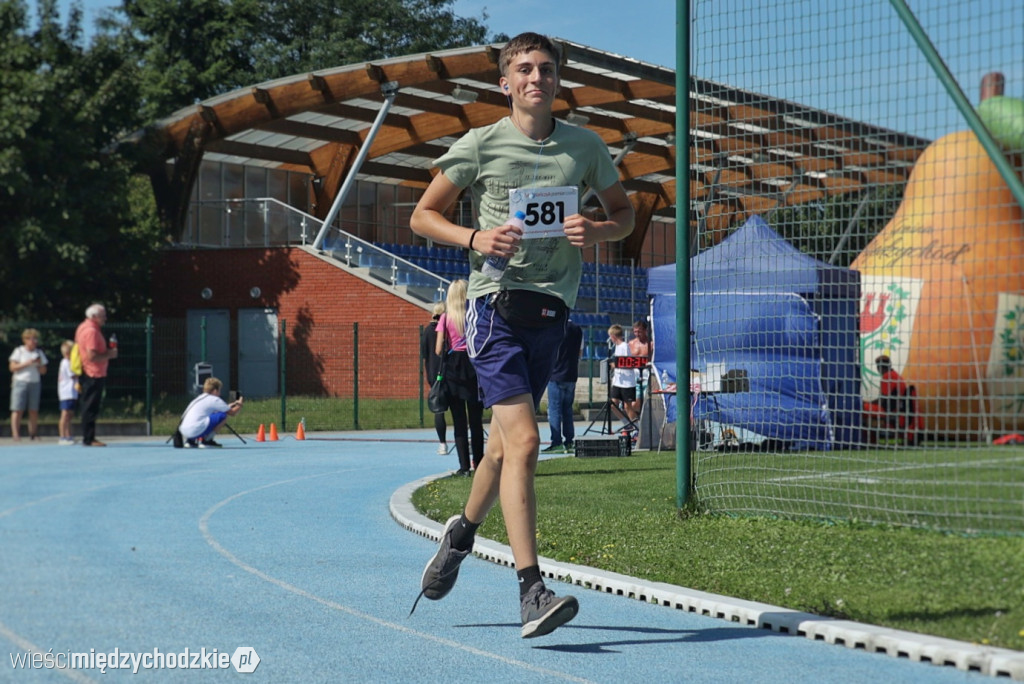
x=508, y=360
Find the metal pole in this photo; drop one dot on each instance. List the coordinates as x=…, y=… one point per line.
x=149, y=374
x=202, y=339
x=355, y=375
x=283, y=354
x=683, y=477
x=850, y=225
x=995, y=153
x=389, y=90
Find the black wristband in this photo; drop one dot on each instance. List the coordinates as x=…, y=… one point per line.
x=471, y=238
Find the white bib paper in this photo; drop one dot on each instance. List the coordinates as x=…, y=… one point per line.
x=546, y=209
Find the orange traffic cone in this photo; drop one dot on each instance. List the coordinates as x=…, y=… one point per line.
x=261, y=434
x=300, y=434
x=273, y=432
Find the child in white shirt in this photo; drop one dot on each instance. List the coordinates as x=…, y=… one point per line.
x=67, y=392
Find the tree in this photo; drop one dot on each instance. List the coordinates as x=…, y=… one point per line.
x=70, y=233
x=191, y=50
x=77, y=221
x=842, y=225
x=187, y=50
x=307, y=35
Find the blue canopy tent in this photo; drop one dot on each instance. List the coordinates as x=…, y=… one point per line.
x=783, y=320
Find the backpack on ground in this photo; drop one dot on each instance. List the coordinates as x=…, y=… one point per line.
x=76, y=361
x=177, y=437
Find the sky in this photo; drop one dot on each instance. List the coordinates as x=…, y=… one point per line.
x=646, y=31
x=853, y=57
x=641, y=29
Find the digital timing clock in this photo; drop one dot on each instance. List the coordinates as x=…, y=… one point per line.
x=631, y=361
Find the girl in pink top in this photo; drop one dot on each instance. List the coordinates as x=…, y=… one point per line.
x=460, y=379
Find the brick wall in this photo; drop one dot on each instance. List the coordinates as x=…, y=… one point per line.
x=318, y=301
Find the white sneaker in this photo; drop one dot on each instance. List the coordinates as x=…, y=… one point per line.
x=65, y=441
x=442, y=449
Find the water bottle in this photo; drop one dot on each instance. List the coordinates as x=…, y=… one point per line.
x=113, y=341
x=495, y=267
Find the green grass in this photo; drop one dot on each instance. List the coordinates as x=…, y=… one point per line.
x=967, y=489
x=620, y=515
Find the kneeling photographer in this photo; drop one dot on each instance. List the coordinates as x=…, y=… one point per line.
x=205, y=415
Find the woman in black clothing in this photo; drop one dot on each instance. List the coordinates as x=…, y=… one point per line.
x=431, y=365
x=460, y=379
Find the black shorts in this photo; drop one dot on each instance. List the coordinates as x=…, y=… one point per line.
x=626, y=394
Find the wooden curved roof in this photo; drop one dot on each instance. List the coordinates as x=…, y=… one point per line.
x=749, y=153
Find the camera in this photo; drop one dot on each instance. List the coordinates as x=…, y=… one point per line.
x=235, y=395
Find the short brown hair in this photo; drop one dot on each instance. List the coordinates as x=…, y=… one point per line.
x=527, y=42
x=212, y=384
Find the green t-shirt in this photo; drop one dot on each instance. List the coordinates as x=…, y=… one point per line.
x=494, y=159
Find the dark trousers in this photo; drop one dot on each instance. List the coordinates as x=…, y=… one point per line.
x=89, y=403
x=441, y=427
x=468, y=424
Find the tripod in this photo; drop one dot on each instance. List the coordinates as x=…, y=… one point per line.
x=605, y=414
x=234, y=433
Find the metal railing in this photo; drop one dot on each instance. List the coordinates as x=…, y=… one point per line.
x=250, y=222
x=268, y=222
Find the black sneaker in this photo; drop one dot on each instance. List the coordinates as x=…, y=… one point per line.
x=191, y=444
x=443, y=569
x=570, y=447
x=553, y=449
x=543, y=612
x=210, y=443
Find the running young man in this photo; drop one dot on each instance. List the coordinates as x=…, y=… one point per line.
x=528, y=161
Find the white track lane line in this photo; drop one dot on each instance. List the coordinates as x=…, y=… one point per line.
x=29, y=647
x=204, y=529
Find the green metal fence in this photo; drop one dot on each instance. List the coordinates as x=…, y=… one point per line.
x=884, y=137
x=345, y=376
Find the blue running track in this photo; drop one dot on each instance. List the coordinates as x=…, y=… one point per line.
x=289, y=551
